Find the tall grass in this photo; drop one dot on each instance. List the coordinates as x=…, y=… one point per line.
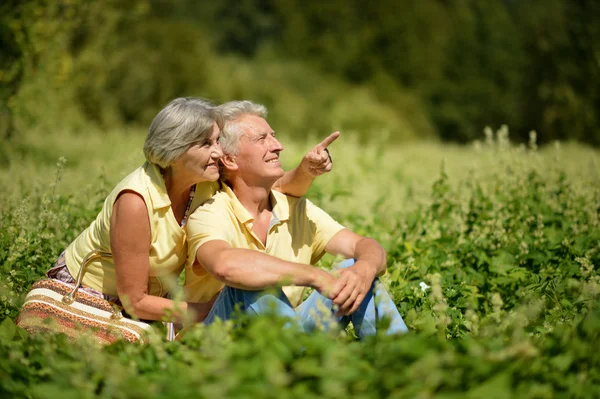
x=493, y=256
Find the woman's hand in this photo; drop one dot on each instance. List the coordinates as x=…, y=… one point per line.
x=201, y=310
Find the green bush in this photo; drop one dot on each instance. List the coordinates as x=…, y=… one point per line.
x=505, y=237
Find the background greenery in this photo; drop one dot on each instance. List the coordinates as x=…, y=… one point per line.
x=505, y=235
x=408, y=69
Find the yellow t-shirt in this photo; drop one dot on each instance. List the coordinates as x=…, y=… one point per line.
x=168, y=247
x=299, y=232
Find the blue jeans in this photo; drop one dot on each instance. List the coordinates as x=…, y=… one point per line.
x=316, y=311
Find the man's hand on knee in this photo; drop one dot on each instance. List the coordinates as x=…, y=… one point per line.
x=352, y=286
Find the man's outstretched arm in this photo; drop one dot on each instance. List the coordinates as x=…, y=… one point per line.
x=316, y=162
x=355, y=281
x=252, y=270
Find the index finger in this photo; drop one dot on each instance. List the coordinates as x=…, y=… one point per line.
x=328, y=140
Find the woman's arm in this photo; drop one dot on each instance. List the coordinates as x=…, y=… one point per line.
x=130, y=239
x=317, y=161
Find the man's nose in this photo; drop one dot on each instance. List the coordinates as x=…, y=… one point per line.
x=275, y=144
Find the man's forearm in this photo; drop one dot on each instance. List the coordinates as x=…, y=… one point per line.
x=253, y=270
x=295, y=182
x=370, y=254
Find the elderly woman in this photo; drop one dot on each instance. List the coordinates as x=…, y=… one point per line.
x=140, y=232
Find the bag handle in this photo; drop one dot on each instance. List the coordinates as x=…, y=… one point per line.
x=116, y=315
x=70, y=297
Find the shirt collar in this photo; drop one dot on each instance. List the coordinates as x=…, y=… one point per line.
x=156, y=187
x=281, y=206
x=278, y=200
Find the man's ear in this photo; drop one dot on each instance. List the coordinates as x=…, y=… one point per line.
x=229, y=162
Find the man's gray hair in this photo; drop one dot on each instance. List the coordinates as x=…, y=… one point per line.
x=181, y=123
x=230, y=112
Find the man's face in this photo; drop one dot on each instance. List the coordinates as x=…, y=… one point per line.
x=258, y=159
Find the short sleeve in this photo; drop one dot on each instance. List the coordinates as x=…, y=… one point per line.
x=207, y=223
x=204, y=192
x=325, y=227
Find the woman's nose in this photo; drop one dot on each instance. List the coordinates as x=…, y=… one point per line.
x=217, y=151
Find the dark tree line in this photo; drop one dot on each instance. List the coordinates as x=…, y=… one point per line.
x=530, y=64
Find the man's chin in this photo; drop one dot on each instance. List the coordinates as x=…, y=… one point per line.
x=274, y=175
x=275, y=170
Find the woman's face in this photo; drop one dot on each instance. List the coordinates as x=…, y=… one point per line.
x=201, y=160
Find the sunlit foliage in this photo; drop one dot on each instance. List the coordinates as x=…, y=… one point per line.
x=493, y=261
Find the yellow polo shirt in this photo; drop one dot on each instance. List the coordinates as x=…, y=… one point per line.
x=299, y=232
x=168, y=247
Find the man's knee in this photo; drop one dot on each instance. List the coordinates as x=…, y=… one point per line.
x=271, y=301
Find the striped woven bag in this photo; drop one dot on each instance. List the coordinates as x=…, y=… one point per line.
x=75, y=312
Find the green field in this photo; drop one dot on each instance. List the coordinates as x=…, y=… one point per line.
x=506, y=237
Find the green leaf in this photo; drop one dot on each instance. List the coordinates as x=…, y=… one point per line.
x=8, y=329
x=497, y=387
x=23, y=334
x=425, y=323
x=562, y=362
x=502, y=263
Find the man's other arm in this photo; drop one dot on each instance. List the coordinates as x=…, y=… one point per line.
x=355, y=281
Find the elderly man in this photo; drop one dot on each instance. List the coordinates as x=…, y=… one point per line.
x=248, y=238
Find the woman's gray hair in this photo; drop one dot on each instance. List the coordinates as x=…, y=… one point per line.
x=232, y=129
x=181, y=123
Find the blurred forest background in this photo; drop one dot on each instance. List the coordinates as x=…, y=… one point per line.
x=401, y=69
